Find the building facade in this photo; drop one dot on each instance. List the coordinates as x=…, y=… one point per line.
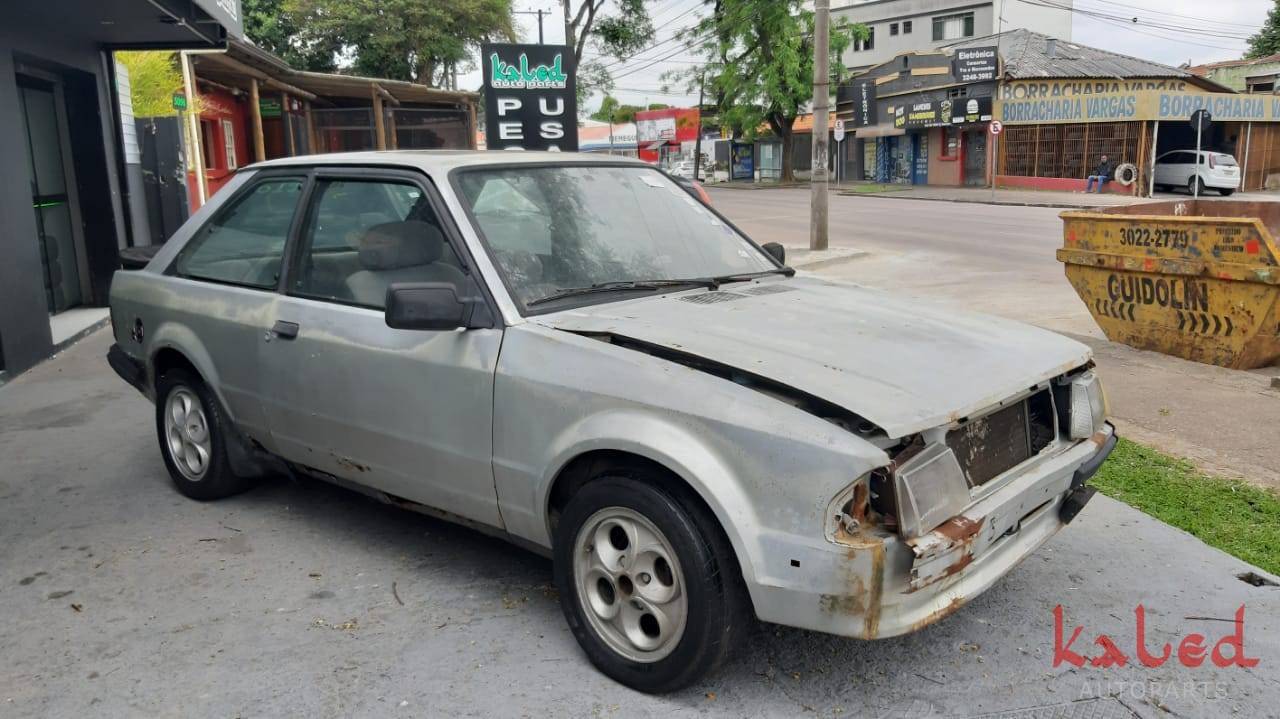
x=921, y=118
x=902, y=26
x=1261, y=75
x=63, y=196
x=1063, y=105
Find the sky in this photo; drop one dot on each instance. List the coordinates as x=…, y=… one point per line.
x=1167, y=31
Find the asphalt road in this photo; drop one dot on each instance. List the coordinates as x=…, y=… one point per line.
x=122, y=598
x=1000, y=260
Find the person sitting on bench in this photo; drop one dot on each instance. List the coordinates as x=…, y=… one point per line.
x=1101, y=174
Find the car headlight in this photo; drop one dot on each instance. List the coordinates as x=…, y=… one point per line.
x=1088, y=405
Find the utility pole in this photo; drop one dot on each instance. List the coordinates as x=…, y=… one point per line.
x=539, y=13
x=697, y=141
x=821, y=98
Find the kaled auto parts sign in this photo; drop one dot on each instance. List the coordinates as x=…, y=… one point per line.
x=530, y=100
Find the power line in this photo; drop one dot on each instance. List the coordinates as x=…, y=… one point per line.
x=1156, y=25
x=1150, y=31
x=1245, y=26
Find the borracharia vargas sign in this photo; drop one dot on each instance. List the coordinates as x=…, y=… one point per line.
x=530, y=100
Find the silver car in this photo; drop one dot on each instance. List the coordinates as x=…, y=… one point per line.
x=575, y=353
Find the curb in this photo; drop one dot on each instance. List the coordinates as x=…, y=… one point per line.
x=1006, y=203
x=829, y=261
x=7, y=377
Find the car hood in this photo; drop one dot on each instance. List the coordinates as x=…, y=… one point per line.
x=902, y=364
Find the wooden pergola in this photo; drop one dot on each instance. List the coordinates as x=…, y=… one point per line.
x=246, y=69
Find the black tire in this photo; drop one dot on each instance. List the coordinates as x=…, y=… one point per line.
x=1191, y=186
x=216, y=480
x=717, y=604
x=1226, y=191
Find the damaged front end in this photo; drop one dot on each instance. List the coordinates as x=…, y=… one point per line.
x=985, y=490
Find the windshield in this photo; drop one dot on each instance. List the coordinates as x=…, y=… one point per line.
x=551, y=229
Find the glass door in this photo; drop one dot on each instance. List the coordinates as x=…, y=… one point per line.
x=49, y=195
x=975, y=157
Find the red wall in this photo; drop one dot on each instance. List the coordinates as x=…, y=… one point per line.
x=687, y=122
x=215, y=106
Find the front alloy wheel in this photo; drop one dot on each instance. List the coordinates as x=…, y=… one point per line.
x=629, y=580
x=648, y=581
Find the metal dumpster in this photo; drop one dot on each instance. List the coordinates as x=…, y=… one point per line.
x=1195, y=278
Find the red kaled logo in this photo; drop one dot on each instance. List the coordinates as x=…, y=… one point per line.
x=1228, y=651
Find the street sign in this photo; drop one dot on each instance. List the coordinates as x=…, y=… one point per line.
x=839, y=131
x=997, y=127
x=1201, y=120
x=179, y=101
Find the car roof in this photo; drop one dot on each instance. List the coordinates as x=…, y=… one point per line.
x=444, y=160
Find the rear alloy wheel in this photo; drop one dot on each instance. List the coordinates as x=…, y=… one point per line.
x=648, y=583
x=193, y=438
x=1195, y=186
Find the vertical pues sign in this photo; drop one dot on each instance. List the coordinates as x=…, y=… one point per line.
x=530, y=97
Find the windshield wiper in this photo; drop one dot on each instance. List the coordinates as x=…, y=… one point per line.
x=745, y=276
x=623, y=286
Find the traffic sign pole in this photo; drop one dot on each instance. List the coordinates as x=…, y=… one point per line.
x=996, y=128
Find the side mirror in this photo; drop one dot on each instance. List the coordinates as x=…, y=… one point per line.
x=776, y=251
x=428, y=306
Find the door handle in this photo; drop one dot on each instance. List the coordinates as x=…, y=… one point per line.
x=285, y=330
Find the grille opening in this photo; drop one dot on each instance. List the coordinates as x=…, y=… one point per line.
x=992, y=445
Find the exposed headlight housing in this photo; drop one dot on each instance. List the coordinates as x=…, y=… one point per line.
x=1088, y=405
x=931, y=488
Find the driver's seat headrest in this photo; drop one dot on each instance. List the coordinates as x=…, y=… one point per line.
x=393, y=245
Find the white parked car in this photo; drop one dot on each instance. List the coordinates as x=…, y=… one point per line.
x=1217, y=171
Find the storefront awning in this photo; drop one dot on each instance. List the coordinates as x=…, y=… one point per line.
x=654, y=145
x=130, y=24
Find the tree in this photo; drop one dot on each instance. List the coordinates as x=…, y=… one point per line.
x=759, y=70
x=271, y=28
x=415, y=40
x=153, y=79
x=621, y=34
x=613, y=111
x=1267, y=40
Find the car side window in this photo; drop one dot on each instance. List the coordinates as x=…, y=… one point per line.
x=244, y=243
x=361, y=236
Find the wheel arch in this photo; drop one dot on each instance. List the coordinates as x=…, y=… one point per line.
x=176, y=346
x=580, y=467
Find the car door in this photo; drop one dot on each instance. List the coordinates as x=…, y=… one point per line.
x=405, y=411
x=222, y=287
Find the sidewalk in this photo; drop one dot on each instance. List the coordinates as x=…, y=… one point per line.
x=984, y=195
x=1032, y=198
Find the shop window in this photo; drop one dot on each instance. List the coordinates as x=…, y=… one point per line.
x=962, y=91
x=906, y=27
x=209, y=144
x=868, y=44
x=953, y=27
x=950, y=144
x=229, y=143
x=893, y=28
